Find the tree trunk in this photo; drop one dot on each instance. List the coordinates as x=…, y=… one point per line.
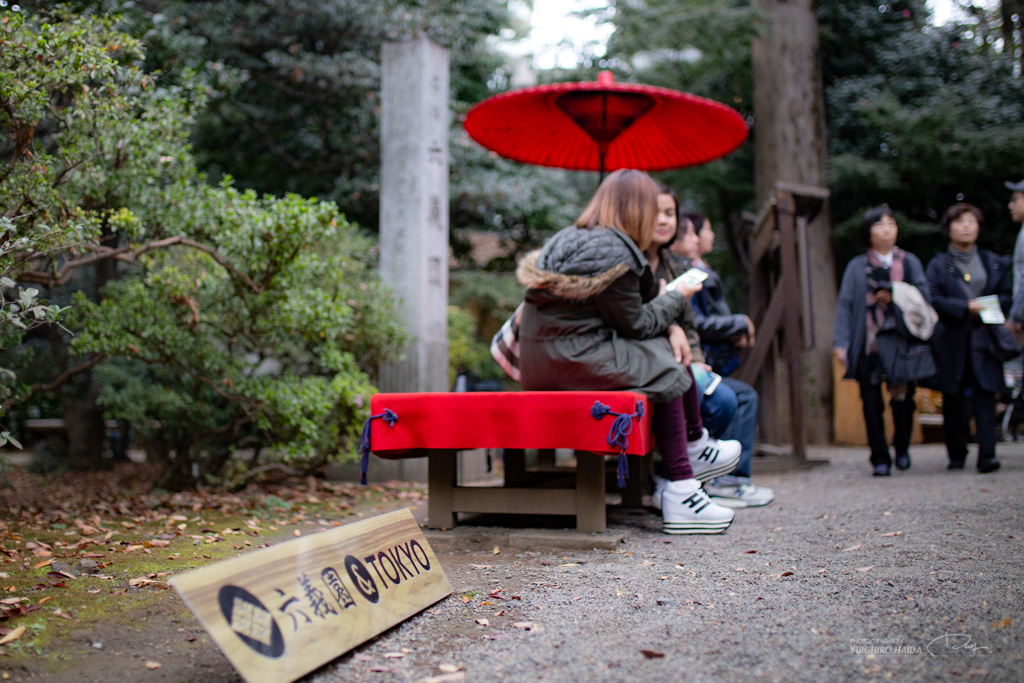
x=790, y=145
x=83, y=420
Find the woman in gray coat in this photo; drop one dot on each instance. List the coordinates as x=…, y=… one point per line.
x=865, y=310
x=593, y=321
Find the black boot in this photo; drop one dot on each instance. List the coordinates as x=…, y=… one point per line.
x=987, y=465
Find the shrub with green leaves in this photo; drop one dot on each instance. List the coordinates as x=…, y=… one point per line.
x=272, y=350
x=211, y=319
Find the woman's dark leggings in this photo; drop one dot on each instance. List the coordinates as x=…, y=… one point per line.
x=675, y=424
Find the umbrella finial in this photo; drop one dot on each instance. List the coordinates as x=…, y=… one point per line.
x=605, y=78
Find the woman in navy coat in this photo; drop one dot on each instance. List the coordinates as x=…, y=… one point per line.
x=961, y=343
x=863, y=310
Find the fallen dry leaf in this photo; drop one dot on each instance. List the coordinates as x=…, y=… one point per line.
x=525, y=625
x=13, y=635
x=852, y=548
x=894, y=533
x=651, y=654
x=449, y=668
x=1002, y=624
x=749, y=552
x=363, y=658
x=483, y=622
x=152, y=665
x=48, y=597
x=497, y=551
x=787, y=573
x=11, y=601
x=864, y=569
x=445, y=678
x=393, y=655
x=465, y=599
x=44, y=563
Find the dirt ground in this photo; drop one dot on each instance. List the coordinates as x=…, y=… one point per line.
x=927, y=560
x=85, y=623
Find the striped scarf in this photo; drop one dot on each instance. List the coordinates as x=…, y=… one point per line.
x=877, y=312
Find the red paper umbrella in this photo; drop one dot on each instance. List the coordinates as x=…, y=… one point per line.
x=605, y=126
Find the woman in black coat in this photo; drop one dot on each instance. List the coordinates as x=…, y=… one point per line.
x=962, y=344
x=865, y=309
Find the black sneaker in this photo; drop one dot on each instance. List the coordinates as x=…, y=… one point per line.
x=955, y=465
x=881, y=471
x=988, y=465
x=903, y=461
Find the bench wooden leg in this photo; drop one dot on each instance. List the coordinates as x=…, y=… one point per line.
x=633, y=494
x=441, y=470
x=515, y=467
x=590, y=511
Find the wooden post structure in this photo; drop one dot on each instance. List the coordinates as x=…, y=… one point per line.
x=780, y=304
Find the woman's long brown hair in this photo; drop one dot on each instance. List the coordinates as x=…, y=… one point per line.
x=627, y=200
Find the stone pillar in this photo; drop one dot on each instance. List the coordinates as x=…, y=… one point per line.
x=414, y=208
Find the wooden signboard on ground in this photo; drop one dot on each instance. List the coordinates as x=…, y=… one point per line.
x=281, y=612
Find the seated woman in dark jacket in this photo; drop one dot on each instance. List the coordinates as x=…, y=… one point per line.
x=722, y=332
x=730, y=412
x=962, y=343
x=593, y=320
x=864, y=309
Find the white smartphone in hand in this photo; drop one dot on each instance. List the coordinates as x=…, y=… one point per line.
x=691, y=278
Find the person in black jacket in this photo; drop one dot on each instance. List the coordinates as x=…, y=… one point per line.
x=864, y=310
x=962, y=343
x=722, y=332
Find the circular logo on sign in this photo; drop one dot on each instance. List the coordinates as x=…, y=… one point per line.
x=360, y=576
x=251, y=621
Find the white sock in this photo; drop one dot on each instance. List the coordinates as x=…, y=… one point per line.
x=698, y=445
x=683, y=486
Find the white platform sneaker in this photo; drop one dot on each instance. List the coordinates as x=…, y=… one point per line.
x=686, y=509
x=740, y=496
x=712, y=458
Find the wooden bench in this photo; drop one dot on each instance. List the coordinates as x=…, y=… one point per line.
x=438, y=425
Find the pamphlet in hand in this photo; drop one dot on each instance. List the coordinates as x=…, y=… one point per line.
x=991, y=312
x=691, y=278
x=707, y=381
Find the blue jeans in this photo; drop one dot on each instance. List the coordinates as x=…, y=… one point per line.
x=738, y=423
x=718, y=409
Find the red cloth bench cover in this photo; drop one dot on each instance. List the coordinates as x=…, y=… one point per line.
x=515, y=419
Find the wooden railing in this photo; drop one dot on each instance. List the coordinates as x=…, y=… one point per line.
x=779, y=303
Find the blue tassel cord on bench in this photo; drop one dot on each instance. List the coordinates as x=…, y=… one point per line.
x=364, y=439
x=618, y=436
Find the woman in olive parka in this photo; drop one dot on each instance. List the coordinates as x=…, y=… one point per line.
x=595, y=320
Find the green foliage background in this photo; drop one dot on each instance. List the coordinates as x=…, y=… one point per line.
x=919, y=116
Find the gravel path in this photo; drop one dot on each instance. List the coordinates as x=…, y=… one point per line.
x=928, y=562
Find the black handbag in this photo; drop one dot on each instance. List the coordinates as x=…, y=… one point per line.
x=904, y=358
x=1002, y=344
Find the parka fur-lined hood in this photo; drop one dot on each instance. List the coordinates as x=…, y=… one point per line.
x=577, y=263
